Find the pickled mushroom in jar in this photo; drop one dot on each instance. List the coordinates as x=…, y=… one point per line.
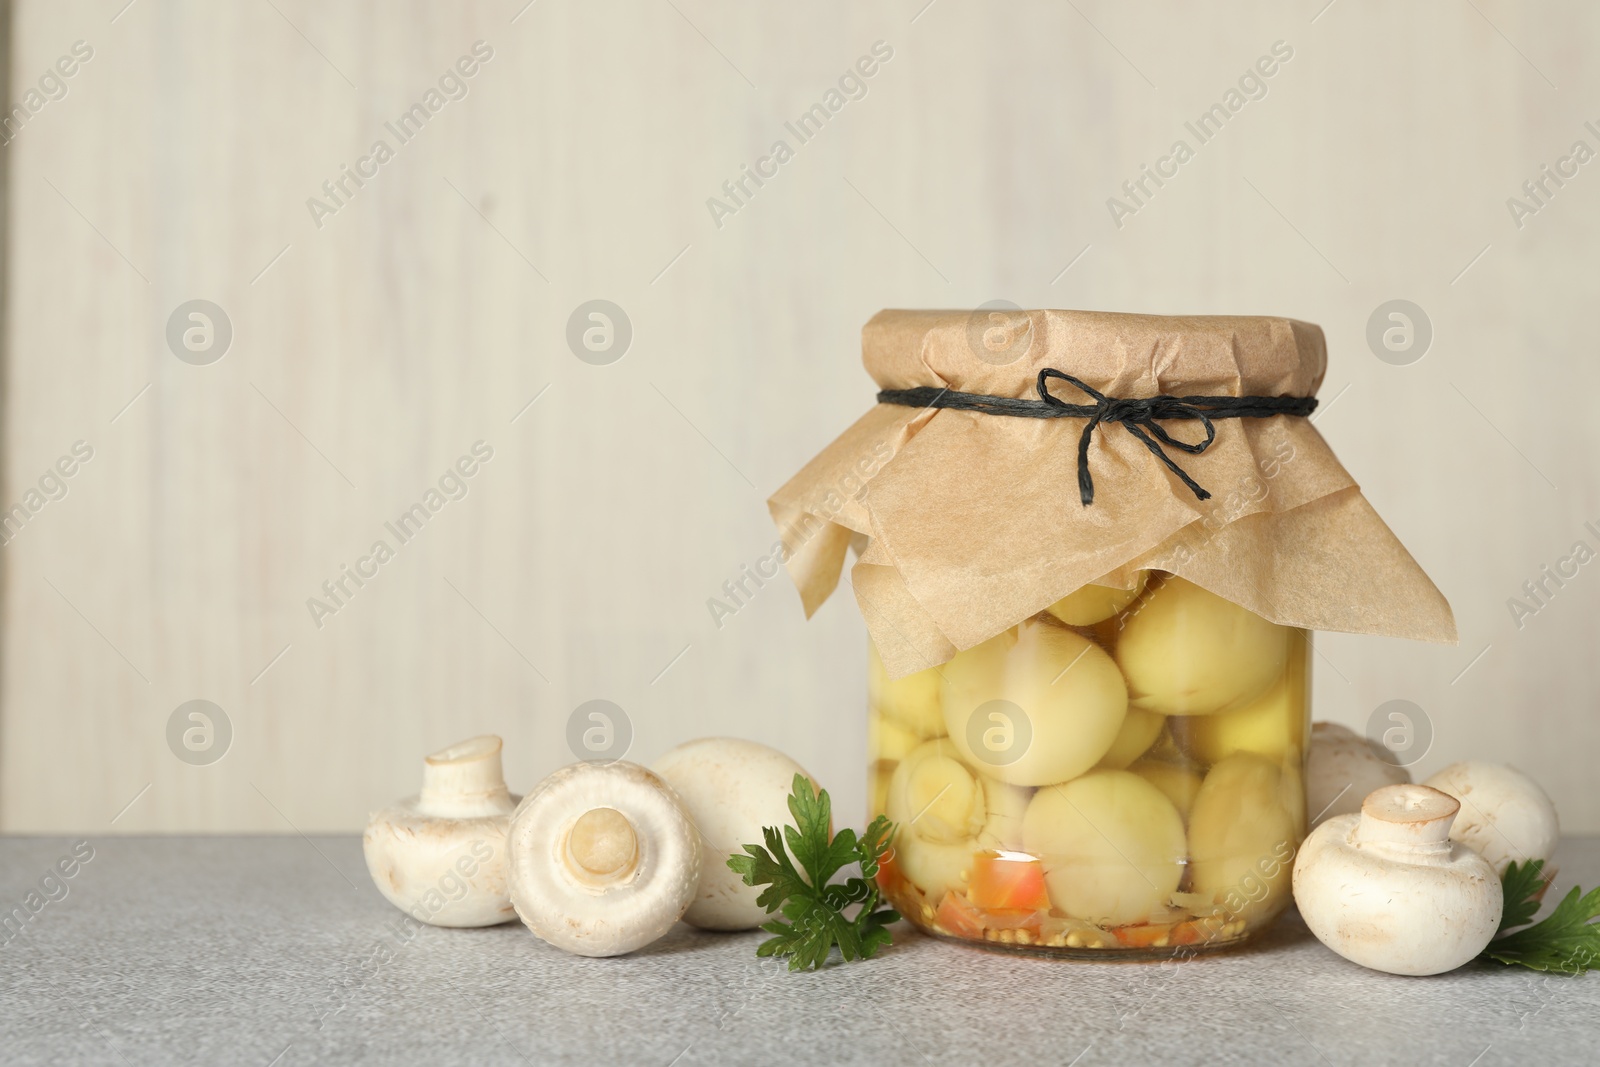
x=911, y=702
x=1247, y=820
x=1111, y=843
x=937, y=805
x=1139, y=731
x=1007, y=804
x=1042, y=703
x=1106, y=632
x=1179, y=782
x=1186, y=651
x=974, y=677
x=934, y=868
x=889, y=739
x=1271, y=725
x=881, y=773
x=1096, y=603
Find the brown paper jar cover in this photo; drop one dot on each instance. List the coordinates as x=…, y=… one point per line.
x=967, y=523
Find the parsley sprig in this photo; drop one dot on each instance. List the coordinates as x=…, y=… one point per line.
x=1566, y=941
x=812, y=904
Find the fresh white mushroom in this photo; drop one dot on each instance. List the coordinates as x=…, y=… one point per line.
x=1187, y=651
x=440, y=856
x=730, y=788
x=1111, y=844
x=1389, y=890
x=1504, y=815
x=1035, y=708
x=1342, y=769
x=603, y=858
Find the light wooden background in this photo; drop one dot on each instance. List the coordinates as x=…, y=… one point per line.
x=424, y=316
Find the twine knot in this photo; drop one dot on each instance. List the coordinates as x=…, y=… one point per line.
x=1140, y=416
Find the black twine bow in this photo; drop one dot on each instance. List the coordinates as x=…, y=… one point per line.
x=1138, y=415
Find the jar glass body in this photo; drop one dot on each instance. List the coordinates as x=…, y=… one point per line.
x=1120, y=776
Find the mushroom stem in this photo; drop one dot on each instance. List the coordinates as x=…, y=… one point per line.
x=602, y=847
x=1414, y=819
x=465, y=780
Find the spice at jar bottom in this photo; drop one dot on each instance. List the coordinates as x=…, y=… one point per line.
x=1089, y=567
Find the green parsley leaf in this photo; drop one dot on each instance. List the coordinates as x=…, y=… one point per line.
x=1522, y=884
x=811, y=902
x=1566, y=941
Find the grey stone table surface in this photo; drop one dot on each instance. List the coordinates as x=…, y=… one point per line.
x=278, y=951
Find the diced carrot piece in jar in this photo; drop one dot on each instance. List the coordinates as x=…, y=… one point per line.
x=958, y=917
x=1007, y=882
x=1187, y=933
x=1205, y=930
x=1145, y=935
x=889, y=877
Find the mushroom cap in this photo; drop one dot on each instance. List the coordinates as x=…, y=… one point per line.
x=1246, y=820
x=1111, y=844
x=1179, y=782
x=1273, y=724
x=1412, y=904
x=731, y=788
x=911, y=702
x=1342, y=768
x=1049, y=701
x=939, y=806
x=1138, y=732
x=1187, y=651
x=613, y=915
x=1504, y=815
x=445, y=872
x=1096, y=603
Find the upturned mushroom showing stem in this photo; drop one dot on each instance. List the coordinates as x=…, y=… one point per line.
x=440, y=856
x=1389, y=890
x=603, y=858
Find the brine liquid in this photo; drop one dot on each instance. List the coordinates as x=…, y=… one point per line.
x=1131, y=784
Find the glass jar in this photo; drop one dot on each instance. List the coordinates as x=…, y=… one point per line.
x=1119, y=776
